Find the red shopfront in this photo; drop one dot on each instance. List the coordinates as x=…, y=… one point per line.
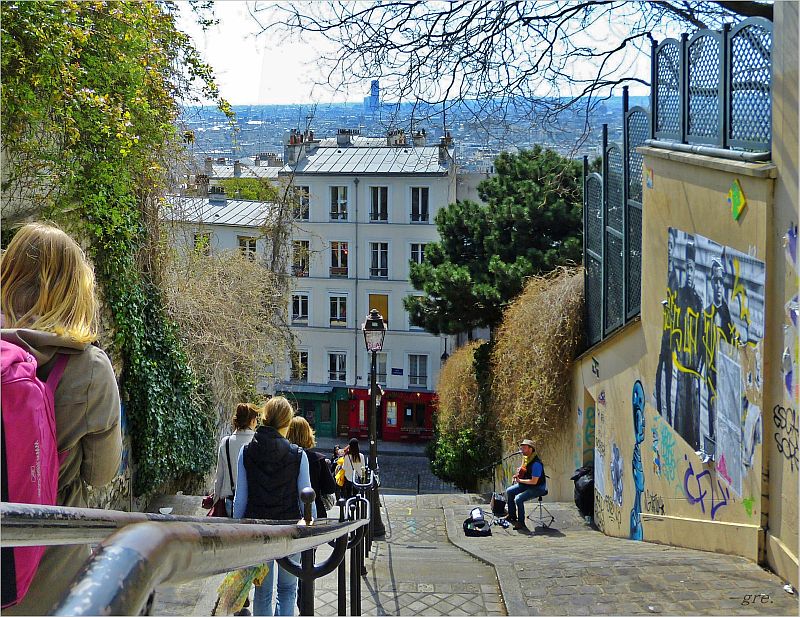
x=401, y=415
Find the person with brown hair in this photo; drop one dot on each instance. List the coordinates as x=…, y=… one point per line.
x=272, y=474
x=301, y=433
x=49, y=309
x=244, y=422
x=354, y=466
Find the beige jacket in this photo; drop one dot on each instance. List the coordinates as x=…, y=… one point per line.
x=87, y=410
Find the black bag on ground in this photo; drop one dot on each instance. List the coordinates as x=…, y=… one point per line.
x=475, y=526
x=584, y=489
x=498, y=504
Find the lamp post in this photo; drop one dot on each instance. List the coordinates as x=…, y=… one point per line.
x=374, y=329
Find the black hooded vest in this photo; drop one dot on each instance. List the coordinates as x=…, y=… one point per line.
x=272, y=465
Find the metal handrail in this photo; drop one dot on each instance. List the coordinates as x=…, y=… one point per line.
x=147, y=550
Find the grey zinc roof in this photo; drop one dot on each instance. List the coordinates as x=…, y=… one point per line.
x=236, y=212
x=355, y=140
x=223, y=172
x=371, y=160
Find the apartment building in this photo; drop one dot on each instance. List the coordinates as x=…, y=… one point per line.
x=366, y=211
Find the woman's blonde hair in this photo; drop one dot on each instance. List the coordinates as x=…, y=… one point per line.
x=48, y=284
x=278, y=413
x=301, y=433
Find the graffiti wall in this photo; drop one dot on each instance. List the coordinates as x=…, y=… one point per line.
x=708, y=380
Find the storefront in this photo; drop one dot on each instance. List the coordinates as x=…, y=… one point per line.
x=401, y=415
x=325, y=407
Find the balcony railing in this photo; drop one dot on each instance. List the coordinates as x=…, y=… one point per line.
x=300, y=270
x=338, y=272
x=379, y=272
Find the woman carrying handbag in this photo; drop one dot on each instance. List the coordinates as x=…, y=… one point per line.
x=244, y=423
x=353, y=466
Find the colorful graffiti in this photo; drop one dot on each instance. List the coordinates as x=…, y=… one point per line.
x=654, y=504
x=588, y=435
x=656, y=454
x=606, y=512
x=600, y=467
x=577, y=459
x=790, y=361
x=637, y=403
x=667, y=445
x=748, y=502
x=715, y=294
x=786, y=435
x=616, y=474
x=699, y=488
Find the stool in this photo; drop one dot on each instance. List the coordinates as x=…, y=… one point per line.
x=539, y=514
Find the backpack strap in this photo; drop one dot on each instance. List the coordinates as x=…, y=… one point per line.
x=230, y=469
x=56, y=373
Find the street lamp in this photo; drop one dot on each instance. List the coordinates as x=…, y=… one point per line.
x=374, y=329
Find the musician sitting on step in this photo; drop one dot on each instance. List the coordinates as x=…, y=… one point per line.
x=529, y=482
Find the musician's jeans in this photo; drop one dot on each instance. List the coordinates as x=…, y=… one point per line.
x=517, y=495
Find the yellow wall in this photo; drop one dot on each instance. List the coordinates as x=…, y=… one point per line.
x=780, y=410
x=682, y=500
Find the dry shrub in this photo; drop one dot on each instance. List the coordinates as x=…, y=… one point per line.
x=457, y=391
x=533, y=354
x=230, y=314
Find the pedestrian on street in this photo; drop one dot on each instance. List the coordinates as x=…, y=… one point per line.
x=244, y=422
x=353, y=466
x=301, y=434
x=272, y=474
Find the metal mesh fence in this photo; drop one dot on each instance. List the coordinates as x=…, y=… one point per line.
x=614, y=181
x=668, y=106
x=594, y=214
x=633, y=255
x=594, y=300
x=704, y=88
x=613, y=290
x=638, y=132
x=750, y=84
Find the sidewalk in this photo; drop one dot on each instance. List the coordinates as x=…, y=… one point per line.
x=388, y=448
x=571, y=569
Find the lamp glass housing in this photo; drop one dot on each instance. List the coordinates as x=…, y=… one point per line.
x=374, y=329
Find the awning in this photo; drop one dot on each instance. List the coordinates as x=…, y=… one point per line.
x=303, y=388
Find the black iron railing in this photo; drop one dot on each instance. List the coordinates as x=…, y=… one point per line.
x=138, y=551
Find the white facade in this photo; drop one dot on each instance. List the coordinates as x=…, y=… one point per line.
x=381, y=218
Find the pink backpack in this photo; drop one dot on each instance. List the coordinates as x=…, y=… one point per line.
x=30, y=467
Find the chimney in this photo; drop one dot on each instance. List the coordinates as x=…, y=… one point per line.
x=209, y=166
x=396, y=137
x=216, y=195
x=237, y=168
x=293, y=149
x=419, y=138
x=201, y=180
x=343, y=136
x=444, y=149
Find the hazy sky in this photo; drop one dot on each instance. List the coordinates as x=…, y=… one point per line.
x=256, y=68
x=259, y=69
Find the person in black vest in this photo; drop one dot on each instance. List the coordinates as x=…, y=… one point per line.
x=529, y=482
x=272, y=473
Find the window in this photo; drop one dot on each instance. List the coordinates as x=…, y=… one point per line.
x=247, y=247
x=414, y=416
x=300, y=255
x=380, y=302
x=301, y=203
x=338, y=203
x=300, y=366
x=300, y=309
x=338, y=311
x=411, y=326
x=381, y=361
x=418, y=253
x=379, y=203
x=419, y=204
x=337, y=366
x=379, y=260
x=417, y=371
x=202, y=244
x=325, y=412
x=339, y=259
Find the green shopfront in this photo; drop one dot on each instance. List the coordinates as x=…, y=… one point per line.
x=319, y=404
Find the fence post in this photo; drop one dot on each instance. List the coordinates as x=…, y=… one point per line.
x=725, y=76
x=341, y=572
x=604, y=222
x=683, y=87
x=653, y=87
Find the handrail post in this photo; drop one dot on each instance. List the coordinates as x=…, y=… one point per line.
x=341, y=572
x=355, y=566
x=307, y=579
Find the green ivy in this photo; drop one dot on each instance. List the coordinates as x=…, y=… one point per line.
x=89, y=108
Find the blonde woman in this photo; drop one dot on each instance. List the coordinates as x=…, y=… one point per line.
x=49, y=309
x=244, y=423
x=301, y=434
x=272, y=473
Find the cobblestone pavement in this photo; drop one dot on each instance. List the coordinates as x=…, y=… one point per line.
x=571, y=569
